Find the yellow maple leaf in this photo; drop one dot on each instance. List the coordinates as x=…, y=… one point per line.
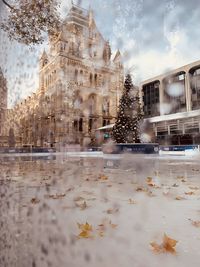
x=85, y=234
x=85, y=227
x=86, y=230
x=167, y=246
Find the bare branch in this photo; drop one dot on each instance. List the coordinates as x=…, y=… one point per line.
x=8, y=5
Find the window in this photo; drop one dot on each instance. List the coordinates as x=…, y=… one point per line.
x=95, y=79
x=76, y=125
x=91, y=78
x=90, y=123
x=76, y=76
x=80, y=124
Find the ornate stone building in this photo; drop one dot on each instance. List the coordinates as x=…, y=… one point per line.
x=79, y=87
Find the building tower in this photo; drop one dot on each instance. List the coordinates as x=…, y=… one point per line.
x=80, y=83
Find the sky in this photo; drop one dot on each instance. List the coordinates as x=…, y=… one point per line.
x=153, y=36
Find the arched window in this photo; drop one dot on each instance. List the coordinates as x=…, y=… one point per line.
x=77, y=100
x=75, y=125
x=92, y=104
x=76, y=75
x=106, y=106
x=81, y=77
x=80, y=124
x=91, y=79
x=95, y=79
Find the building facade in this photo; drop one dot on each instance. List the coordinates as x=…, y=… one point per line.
x=79, y=88
x=3, y=106
x=171, y=103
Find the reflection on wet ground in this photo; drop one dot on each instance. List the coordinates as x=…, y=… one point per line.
x=43, y=198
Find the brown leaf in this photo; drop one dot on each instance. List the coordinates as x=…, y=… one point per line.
x=167, y=246
x=183, y=180
x=112, y=211
x=195, y=223
x=190, y=193
x=179, y=198
x=180, y=177
x=78, y=199
x=149, y=181
x=57, y=196
x=112, y=224
x=35, y=200
x=141, y=189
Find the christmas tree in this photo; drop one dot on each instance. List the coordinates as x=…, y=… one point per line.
x=126, y=128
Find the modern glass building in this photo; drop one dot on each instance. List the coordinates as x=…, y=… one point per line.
x=171, y=103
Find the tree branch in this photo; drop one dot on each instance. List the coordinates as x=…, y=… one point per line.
x=8, y=5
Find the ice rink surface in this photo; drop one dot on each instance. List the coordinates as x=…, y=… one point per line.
x=129, y=201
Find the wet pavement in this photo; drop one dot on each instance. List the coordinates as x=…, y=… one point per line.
x=43, y=197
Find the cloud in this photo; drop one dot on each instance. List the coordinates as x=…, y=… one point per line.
x=154, y=36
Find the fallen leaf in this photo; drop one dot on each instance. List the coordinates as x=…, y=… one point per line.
x=175, y=185
x=112, y=211
x=168, y=245
x=85, y=234
x=101, y=233
x=190, y=193
x=103, y=177
x=195, y=223
x=140, y=189
x=57, y=196
x=112, y=224
x=180, y=177
x=179, y=198
x=82, y=206
x=194, y=187
x=150, y=194
x=131, y=201
x=149, y=181
x=35, y=200
x=79, y=199
x=183, y=180
x=85, y=227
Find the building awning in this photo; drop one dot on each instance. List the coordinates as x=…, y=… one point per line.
x=175, y=116
x=107, y=127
